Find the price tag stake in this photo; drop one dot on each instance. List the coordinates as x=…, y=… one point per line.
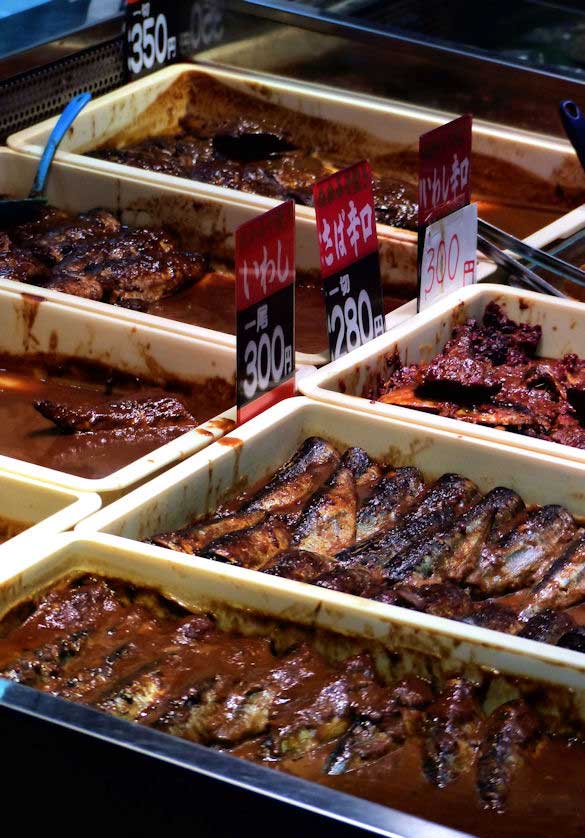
x=265, y=300
x=350, y=266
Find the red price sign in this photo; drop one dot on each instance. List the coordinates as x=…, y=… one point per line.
x=265, y=296
x=348, y=251
x=444, y=170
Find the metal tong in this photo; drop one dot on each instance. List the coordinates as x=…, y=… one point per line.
x=494, y=243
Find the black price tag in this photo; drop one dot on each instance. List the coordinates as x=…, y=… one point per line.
x=355, y=310
x=161, y=32
x=265, y=356
x=151, y=37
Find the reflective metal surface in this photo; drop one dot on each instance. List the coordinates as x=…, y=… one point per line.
x=205, y=762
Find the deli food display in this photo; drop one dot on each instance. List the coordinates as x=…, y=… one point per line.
x=349, y=523
x=341, y=711
x=367, y=603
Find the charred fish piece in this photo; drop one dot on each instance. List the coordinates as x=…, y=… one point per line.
x=58, y=630
x=252, y=547
x=316, y=713
x=263, y=700
x=19, y=265
x=295, y=481
x=443, y=501
x=511, y=728
x=127, y=243
x=524, y=554
x=380, y=550
x=366, y=472
x=46, y=217
x=300, y=565
x=454, y=549
x=563, y=584
x=380, y=725
x=140, y=694
x=452, y=733
x=327, y=523
x=510, y=512
x=193, y=538
x=442, y=599
x=505, y=505
x=356, y=579
x=215, y=708
x=450, y=492
x=111, y=651
x=144, y=412
x=134, y=281
x=494, y=616
x=547, y=626
x=393, y=496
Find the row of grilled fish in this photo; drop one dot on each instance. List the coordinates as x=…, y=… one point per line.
x=92, y=255
x=349, y=523
x=130, y=653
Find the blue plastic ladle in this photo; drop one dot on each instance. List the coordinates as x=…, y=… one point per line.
x=574, y=125
x=18, y=210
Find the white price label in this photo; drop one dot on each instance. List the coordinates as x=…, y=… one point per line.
x=449, y=258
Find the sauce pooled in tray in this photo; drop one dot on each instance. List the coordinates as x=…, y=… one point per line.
x=90, y=420
x=488, y=754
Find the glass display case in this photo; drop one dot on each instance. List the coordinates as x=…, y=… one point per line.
x=506, y=62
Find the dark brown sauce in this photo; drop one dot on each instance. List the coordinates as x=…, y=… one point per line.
x=27, y=435
x=210, y=303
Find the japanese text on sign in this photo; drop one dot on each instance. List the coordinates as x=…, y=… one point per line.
x=265, y=274
x=344, y=204
x=449, y=256
x=348, y=249
x=444, y=169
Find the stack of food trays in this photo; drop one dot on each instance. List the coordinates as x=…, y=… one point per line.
x=547, y=477
x=433, y=713
x=457, y=765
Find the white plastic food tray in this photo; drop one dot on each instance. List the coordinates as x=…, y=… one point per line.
x=422, y=337
x=45, y=510
x=30, y=325
x=388, y=123
x=207, y=221
x=251, y=453
x=456, y=648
